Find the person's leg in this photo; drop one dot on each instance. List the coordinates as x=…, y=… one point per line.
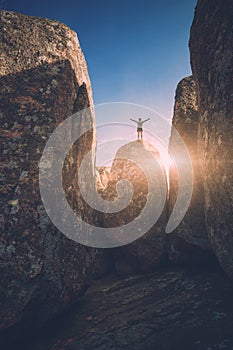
x=140, y=135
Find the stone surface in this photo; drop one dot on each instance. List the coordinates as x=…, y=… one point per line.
x=44, y=80
x=133, y=163
x=211, y=47
x=168, y=310
x=189, y=242
x=102, y=177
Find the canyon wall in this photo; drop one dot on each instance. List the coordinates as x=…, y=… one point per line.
x=189, y=242
x=44, y=80
x=211, y=47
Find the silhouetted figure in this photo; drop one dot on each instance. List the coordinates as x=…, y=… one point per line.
x=139, y=127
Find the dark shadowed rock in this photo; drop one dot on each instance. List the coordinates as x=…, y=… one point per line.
x=134, y=162
x=211, y=47
x=44, y=80
x=189, y=242
x=167, y=310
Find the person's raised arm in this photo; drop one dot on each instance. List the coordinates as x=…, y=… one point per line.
x=146, y=120
x=133, y=120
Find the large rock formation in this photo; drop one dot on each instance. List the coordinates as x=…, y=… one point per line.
x=211, y=45
x=189, y=242
x=134, y=162
x=44, y=80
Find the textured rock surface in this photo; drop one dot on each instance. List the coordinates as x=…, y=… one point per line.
x=211, y=47
x=147, y=252
x=166, y=310
x=44, y=80
x=102, y=177
x=189, y=242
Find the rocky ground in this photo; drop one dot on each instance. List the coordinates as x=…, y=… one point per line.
x=172, y=309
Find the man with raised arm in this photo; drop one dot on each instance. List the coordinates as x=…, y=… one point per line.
x=139, y=127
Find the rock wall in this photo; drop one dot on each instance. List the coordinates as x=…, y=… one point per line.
x=134, y=162
x=44, y=80
x=189, y=242
x=211, y=47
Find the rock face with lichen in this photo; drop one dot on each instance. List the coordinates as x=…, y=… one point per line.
x=211, y=47
x=189, y=242
x=134, y=162
x=44, y=80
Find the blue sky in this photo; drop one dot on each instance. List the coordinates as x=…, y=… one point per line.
x=136, y=51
